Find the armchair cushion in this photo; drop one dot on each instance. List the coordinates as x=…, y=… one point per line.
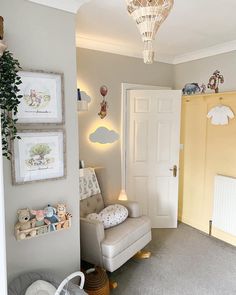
x=120, y=237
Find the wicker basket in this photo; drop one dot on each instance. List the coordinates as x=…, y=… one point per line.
x=96, y=282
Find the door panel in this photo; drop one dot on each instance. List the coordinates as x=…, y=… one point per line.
x=165, y=105
x=152, y=151
x=162, y=195
x=163, y=141
x=140, y=140
x=140, y=184
x=142, y=105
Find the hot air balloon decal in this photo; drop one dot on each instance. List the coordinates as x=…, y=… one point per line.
x=103, y=110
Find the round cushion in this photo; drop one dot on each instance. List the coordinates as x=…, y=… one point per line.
x=41, y=288
x=113, y=215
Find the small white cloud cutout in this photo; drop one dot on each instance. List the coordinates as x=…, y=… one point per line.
x=85, y=96
x=103, y=135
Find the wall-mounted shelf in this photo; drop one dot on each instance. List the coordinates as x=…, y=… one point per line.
x=210, y=94
x=41, y=230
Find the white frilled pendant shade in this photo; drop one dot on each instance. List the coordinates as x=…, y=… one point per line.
x=149, y=15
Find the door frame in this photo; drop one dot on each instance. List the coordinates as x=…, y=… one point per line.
x=125, y=87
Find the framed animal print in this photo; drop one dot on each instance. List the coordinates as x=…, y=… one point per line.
x=38, y=155
x=42, y=98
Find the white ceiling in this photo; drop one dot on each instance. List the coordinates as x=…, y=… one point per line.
x=66, y=5
x=194, y=29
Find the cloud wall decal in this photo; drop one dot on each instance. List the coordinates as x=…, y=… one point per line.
x=103, y=135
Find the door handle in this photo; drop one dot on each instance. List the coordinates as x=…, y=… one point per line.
x=174, y=169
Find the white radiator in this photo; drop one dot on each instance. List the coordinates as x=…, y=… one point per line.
x=224, y=211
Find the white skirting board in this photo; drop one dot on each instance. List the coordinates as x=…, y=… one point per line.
x=224, y=210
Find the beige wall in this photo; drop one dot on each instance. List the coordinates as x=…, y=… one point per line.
x=201, y=70
x=96, y=68
x=44, y=39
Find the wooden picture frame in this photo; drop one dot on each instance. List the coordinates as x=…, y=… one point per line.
x=43, y=98
x=39, y=155
x=1, y=28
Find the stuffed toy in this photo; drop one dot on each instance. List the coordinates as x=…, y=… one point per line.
x=24, y=223
x=50, y=215
x=40, y=217
x=63, y=218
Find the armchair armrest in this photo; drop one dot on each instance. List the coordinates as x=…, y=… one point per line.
x=132, y=206
x=92, y=234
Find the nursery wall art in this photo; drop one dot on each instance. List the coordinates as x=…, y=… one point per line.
x=83, y=99
x=103, y=135
x=38, y=155
x=103, y=105
x=193, y=88
x=42, y=98
x=220, y=114
x=215, y=80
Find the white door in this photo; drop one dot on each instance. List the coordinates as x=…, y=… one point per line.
x=152, y=154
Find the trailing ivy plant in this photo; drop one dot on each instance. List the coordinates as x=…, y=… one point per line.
x=9, y=100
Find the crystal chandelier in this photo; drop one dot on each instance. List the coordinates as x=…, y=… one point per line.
x=149, y=15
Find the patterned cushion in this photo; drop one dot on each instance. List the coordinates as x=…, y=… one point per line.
x=111, y=215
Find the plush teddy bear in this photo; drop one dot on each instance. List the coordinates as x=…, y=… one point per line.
x=24, y=223
x=50, y=215
x=61, y=213
x=39, y=217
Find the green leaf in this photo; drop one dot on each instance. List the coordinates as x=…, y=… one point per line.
x=9, y=99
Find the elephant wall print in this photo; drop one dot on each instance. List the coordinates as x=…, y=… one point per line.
x=103, y=105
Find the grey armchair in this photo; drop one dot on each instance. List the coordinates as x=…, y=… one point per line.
x=111, y=248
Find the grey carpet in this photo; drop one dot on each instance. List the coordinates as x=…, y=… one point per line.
x=184, y=262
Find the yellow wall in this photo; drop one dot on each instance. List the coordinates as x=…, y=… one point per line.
x=208, y=150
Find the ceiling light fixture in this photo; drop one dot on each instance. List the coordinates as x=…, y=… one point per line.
x=149, y=15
